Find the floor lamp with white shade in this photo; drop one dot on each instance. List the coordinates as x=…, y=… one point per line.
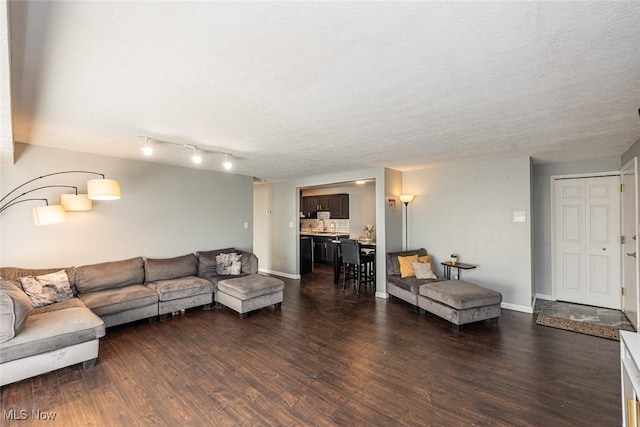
x=406, y=199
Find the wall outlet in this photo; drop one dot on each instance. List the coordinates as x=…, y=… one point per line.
x=290, y=225
x=519, y=216
x=246, y=225
x=455, y=277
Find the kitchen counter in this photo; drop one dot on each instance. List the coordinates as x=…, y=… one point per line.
x=322, y=244
x=331, y=234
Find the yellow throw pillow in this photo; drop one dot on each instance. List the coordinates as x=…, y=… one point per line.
x=427, y=258
x=406, y=269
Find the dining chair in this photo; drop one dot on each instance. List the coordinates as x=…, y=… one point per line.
x=357, y=265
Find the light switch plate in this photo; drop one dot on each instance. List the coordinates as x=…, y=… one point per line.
x=246, y=225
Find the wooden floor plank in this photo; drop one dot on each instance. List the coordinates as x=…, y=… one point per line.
x=330, y=357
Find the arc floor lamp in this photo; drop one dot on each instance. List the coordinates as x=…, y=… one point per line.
x=97, y=189
x=406, y=199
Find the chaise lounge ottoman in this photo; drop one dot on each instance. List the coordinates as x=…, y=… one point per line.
x=252, y=292
x=460, y=302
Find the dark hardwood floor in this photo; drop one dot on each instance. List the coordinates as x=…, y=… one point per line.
x=331, y=358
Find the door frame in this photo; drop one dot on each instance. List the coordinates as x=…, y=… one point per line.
x=634, y=164
x=552, y=182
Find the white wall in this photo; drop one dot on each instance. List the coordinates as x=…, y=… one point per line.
x=468, y=209
x=542, y=212
x=164, y=211
x=393, y=212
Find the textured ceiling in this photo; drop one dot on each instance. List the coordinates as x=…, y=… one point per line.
x=302, y=88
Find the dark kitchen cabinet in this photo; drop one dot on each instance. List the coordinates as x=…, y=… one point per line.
x=339, y=206
x=319, y=249
x=308, y=207
x=306, y=256
x=336, y=204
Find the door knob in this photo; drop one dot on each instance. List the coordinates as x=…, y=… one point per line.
x=631, y=254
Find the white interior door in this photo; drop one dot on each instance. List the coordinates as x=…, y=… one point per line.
x=587, y=248
x=630, y=301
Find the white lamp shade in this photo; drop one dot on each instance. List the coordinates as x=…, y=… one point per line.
x=103, y=189
x=45, y=215
x=75, y=202
x=406, y=198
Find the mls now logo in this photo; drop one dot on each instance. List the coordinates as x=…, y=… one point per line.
x=23, y=414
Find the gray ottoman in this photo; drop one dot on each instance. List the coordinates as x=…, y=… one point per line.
x=251, y=292
x=460, y=302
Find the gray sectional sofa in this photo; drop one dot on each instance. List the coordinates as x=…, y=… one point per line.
x=456, y=301
x=38, y=340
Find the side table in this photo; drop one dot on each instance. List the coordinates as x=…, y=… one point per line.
x=459, y=265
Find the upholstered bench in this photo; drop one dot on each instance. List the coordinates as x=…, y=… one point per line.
x=252, y=292
x=460, y=302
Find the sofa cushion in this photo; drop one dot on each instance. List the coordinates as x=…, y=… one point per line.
x=460, y=295
x=109, y=301
x=47, y=289
x=182, y=287
x=15, y=307
x=250, y=286
x=207, y=261
x=393, y=265
x=108, y=275
x=170, y=268
x=217, y=279
x=68, y=303
x=51, y=331
x=411, y=284
x=249, y=263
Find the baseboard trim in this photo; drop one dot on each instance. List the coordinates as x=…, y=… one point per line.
x=544, y=296
x=515, y=307
x=382, y=295
x=279, y=273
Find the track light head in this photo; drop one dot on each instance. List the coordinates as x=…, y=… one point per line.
x=146, y=149
x=196, y=158
x=227, y=164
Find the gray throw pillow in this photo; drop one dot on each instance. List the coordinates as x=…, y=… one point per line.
x=47, y=289
x=15, y=307
x=228, y=264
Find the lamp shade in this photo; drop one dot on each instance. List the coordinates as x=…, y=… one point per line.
x=103, y=189
x=406, y=198
x=45, y=215
x=75, y=202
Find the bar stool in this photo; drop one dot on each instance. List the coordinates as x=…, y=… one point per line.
x=357, y=265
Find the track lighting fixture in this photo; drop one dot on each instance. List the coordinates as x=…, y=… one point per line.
x=196, y=157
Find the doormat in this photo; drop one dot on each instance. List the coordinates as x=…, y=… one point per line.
x=608, y=332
